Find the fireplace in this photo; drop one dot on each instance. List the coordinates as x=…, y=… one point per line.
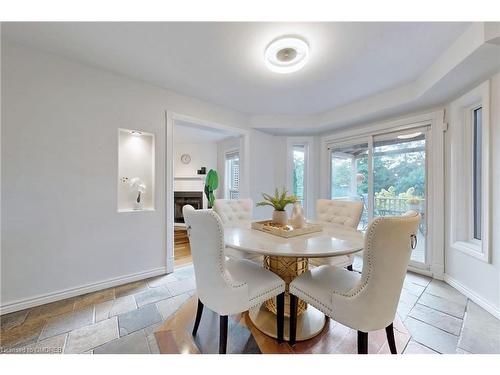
x=181, y=198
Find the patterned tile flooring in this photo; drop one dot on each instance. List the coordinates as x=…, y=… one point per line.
x=115, y=320
x=442, y=320
x=124, y=319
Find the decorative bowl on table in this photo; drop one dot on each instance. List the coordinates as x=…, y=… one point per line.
x=287, y=230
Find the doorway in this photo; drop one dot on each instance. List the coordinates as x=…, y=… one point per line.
x=194, y=148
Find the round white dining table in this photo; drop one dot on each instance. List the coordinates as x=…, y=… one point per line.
x=288, y=258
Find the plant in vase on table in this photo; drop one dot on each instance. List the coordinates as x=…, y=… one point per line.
x=279, y=203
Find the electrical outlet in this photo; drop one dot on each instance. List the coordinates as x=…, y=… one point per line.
x=124, y=179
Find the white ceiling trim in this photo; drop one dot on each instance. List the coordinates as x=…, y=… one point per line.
x=475, y=38
x=473, y=56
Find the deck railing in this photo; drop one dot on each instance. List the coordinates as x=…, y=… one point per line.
x=390, y=206
x=396, y=206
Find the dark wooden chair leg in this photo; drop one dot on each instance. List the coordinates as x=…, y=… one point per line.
x=349, y=267
x=199, y=311
x=293, y=319
x=280, y=316
x=223, y=334
x=389, y=330
x=362, y=342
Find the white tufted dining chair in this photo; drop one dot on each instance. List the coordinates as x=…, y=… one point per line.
x=337, y=212
x=365, y=302
x=227, y=286
x=236, y=213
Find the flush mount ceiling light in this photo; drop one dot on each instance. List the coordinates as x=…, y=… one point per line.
x=286, y=54
x=136, y=133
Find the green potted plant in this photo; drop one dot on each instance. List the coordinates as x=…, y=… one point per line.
x=279, y=203
x=211, y=184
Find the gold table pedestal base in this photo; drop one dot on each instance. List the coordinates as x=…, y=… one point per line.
x=309, y=324
x=288, y=268
x=310, y=321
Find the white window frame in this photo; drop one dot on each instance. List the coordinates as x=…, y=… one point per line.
x=470, y=126
x=462, y=178
x=306, y=159
x=308, y=197
x=355, y=141
x=227, y=177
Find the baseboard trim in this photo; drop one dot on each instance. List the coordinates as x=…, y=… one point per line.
x=437, y=271
x=73, y=292
x=473, y=296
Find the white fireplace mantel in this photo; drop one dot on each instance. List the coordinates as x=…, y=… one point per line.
x=193, y=177
x=191, y=183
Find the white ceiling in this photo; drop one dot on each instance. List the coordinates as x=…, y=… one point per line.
x=223, y=62
x=187, y=132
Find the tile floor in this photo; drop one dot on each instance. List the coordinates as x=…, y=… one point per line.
x=116, y=320
x=124, y=319
x=442, y=320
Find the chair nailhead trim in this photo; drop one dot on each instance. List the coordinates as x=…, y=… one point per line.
x=221, y=260
x=221, y=263
x=267, y=294
x=365, y=275
x=317, y=303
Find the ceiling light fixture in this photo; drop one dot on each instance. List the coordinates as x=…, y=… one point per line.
x=286, y=54
x=136, y=133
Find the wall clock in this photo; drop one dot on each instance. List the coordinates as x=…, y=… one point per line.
x=185, y=158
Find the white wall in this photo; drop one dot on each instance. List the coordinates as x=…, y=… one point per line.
x=61, y=232
x=479, y=279
x=202, y=155
x=267, y=168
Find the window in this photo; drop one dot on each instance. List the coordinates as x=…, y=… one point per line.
x=232, y=175
x=476, y=179
x=299, y=157
x=469, y=173
x=297, y=174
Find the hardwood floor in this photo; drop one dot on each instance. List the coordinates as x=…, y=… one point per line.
x=182, y=250
x=174, y=336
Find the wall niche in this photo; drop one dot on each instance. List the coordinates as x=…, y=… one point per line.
x=136, y=165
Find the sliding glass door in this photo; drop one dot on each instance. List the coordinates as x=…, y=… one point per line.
x=388, y=173
x=400, y=180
